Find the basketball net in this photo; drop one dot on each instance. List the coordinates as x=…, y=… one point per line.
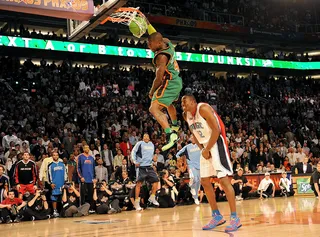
x=126, y=15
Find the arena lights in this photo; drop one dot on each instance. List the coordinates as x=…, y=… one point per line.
x=20, y=42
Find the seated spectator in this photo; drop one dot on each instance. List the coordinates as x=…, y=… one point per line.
x=285, y=186
x=11, y=208
x=101, y=195
x=259, y=169
x=241, y=185
x=166, y=192
x=37, y=207
x=70, y=202
x=246, y=170
x=303, y=167
x=266, y=187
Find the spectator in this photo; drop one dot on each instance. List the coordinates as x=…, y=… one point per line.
x=57, y=175
x=125, y=145
x=11, y=208
x=315, y=181
x=37, y=207
x=117, y=161
x=107, y=157
x=304, y=167
x=86, y=172
x=285, y=184
x=26, y=175
x=241, y=185
x=7, y=139
x=266, y=187
x=4, y=184
x=70, y=202
x=101, y=171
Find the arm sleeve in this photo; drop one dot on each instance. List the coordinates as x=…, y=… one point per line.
x=16, y=174
x=34, y=173
x=182, y=152
x=151, y=29
x=134, y=152
x=79, y=170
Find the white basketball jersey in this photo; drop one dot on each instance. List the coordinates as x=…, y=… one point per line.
x=199, y=126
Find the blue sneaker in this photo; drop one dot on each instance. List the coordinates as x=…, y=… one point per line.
x=215, y=221
x=235, y=224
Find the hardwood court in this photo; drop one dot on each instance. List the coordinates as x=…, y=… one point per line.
x=297, y=216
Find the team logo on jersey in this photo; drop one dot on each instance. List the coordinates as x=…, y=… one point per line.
x=196, y=125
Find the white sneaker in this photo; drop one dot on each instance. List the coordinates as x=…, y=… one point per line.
x=55, y=214
x=238, y=198
x=196, y=201
x=193, y=191
x=153, y=200
x=137, y=206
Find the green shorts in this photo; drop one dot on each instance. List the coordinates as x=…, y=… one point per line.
x=168, y=92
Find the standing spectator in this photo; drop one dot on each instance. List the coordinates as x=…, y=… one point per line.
x=117, y=162
x=133, y=138
x=142, y=155
x=7, y=139
x=241, y=185
x=101, y=171
x=192, y=153
x=125, y=145
x=38, y=149
x=266, y=187
x=86, y=173
x=4, y=184
x=11, y=208
x=107, y=157
x=26, y=175
x=160, y=159
x=57, y=175
x=68, y=142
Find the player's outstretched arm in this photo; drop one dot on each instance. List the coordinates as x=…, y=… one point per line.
x=207, y=113
x=161, y=62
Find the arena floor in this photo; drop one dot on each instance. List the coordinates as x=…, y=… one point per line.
x=298, y=216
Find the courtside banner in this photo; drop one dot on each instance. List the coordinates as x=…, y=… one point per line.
x=197, y=24
x=69, y=9
x=72, y=47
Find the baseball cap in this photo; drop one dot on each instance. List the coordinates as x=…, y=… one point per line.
x=267, y=174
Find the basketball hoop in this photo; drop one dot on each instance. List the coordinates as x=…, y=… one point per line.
x=126, y=15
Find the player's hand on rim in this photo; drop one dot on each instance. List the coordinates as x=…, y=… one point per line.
x=206, y=154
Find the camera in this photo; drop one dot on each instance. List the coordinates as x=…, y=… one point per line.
x=44, y=191
x=98, y=185
x=67, y=185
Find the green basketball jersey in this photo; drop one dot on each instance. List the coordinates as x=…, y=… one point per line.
x=173, y=70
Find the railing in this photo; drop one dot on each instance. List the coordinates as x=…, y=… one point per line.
x=308, y=28
x=196, y=14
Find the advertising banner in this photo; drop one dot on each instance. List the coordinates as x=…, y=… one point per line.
x=69, y=9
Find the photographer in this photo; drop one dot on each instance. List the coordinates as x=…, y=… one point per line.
x=70, y=202
x=101, y=195
x=4, y=184
x=37, y=207
x=166, y=193
x=11, y=208
x=57, y=175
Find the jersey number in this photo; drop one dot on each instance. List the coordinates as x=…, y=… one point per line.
x=200, y=134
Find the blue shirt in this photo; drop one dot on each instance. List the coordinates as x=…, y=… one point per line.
x=57, y=175
x=142, y=153
x=192, y=153
x=86, y=168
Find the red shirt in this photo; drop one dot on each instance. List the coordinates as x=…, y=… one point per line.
x=15, y=201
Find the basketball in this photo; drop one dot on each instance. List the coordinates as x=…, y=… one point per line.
x=134, y=27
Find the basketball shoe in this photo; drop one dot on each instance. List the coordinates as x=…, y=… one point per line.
x=235, y=224
x=215, y=221
x=172, y=138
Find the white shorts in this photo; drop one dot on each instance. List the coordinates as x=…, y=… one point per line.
x=219, y=164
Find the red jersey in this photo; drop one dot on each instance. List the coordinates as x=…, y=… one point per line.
x=15, y=201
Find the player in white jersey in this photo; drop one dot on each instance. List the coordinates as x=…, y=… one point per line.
x=209, y=132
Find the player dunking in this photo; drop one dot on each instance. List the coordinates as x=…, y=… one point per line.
x=166, y=86
x=209, y=132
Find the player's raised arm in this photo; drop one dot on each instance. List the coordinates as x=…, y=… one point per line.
x=161, y=62
x=207, y=113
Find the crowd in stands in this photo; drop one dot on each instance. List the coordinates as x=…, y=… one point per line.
x=261, y=14
x=50, y=112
